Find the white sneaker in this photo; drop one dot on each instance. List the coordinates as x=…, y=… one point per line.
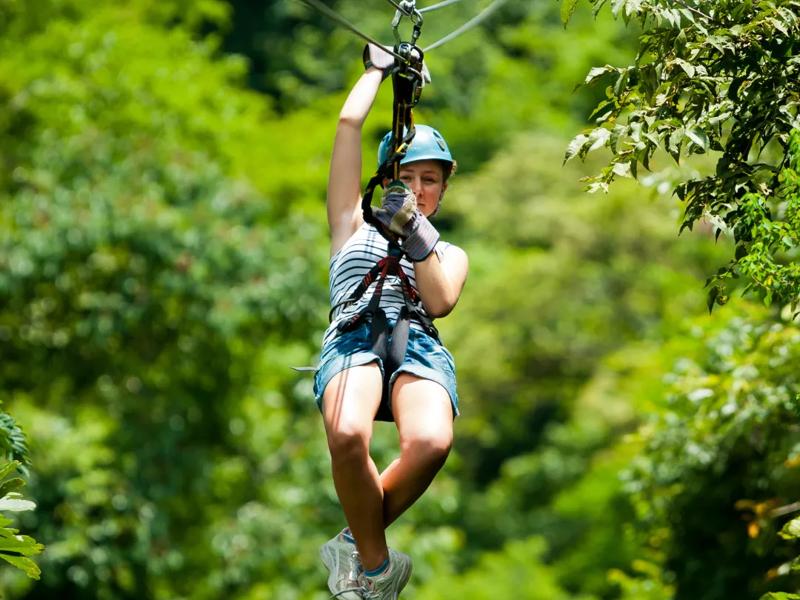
x=341, y=559
x=389, y=584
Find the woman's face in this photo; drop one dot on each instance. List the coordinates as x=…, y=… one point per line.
x=426, y=179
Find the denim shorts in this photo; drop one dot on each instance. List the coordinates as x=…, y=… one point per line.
x=426, y=358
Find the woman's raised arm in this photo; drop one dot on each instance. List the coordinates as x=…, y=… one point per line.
x=344, y=181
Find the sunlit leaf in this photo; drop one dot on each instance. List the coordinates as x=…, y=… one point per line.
x=14, y=502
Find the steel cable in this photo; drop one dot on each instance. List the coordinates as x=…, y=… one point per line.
x=436, y=6
x=399, y=7
x=484, y=14
x=468, y=25
x=345, y=23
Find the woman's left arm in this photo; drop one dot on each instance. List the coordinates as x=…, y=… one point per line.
x=440, y=279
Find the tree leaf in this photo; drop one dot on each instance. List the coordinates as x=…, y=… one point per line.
x=19, y=544
x=795, y=564
x=698, y=138
x=30, y=568
x=567, y=9
x=622, y=169
x=791, y=530
x=597, y=72
x=598, y=137
x=687, y=67
x=713, y=294
x=8, y=468
x=575, y=146
x=14, y=502
x=11, y=485
x=597, y=186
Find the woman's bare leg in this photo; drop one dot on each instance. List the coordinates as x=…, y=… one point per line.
x=349, y=404
x=424, y=417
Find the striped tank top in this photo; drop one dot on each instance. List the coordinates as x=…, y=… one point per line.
x=347, y=270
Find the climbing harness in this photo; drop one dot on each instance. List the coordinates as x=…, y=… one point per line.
x=390, y=343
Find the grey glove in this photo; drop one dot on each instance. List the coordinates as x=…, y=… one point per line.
x=400, y=215
x=386, y=63
x=378, y=57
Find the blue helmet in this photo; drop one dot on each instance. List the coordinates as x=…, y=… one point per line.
x=428, y=144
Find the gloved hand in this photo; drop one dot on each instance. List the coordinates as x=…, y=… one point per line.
x=400, y=215
x=378, y=57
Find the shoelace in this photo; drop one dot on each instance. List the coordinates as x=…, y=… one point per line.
x=369, y=595
x=353, y=577
x=365, y=592
x=360, y=591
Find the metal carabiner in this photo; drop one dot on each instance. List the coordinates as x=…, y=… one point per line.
x=407, y=8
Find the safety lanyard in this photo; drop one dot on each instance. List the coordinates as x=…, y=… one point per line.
x=407, y=88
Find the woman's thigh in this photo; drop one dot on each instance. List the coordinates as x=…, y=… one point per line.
x=351, y=398
x=422, y=410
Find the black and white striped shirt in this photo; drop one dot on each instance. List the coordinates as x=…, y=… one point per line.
x=348, y=268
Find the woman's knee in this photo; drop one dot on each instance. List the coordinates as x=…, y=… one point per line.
x=349, y=441
x=424, y=418
x=348, y=406
x=431, y=447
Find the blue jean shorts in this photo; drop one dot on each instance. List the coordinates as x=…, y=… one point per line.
x=426, y=358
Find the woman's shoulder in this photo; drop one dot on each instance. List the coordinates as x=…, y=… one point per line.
x=446, y=248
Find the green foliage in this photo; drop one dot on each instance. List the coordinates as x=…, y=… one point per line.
x=717, y=78
x=15, y=549
x=564, y=290
x=720, y=457
x=140, y=273
x=646, y=585
x=13, y=444
x=512, y=573
x=720, y=78
x=592, y=292
x=791, y=531
x=162, y=263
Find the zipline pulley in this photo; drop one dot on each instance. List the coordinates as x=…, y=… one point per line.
x=407, y=8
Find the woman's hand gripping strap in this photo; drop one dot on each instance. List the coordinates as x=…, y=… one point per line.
x=400, y=215
x=378, y=57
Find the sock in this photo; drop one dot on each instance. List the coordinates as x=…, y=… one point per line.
x=379, y=570
x=347, y=535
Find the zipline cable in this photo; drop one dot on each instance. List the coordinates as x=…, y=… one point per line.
x=439, y=5
x=345, y=23
x=399, y=7
x=465, y=27
x=468, y=25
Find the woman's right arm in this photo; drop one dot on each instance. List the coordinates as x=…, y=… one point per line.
x=344, y=181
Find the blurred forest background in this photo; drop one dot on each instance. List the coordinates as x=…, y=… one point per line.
x=163, y=262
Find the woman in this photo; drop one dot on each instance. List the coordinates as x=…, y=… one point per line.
x=349, y=381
